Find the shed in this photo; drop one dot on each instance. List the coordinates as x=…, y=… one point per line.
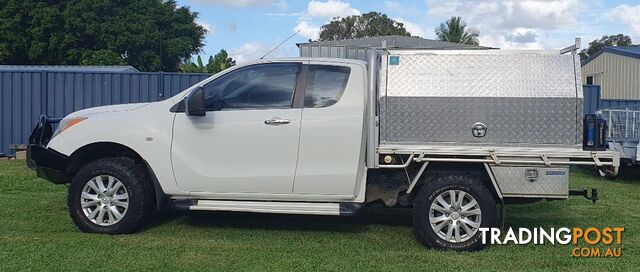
x=617, y=70
x=357, y=48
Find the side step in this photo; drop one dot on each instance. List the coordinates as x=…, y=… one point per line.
x=343, y=209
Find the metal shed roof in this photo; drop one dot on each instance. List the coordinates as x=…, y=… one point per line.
x=627, y=51
x=67, y=68
x=394, y=41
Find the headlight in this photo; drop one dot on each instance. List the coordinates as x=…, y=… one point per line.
x=67, y=123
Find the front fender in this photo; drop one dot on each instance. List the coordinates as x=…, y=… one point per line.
x=146, y=131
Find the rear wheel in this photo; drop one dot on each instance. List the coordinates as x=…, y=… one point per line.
x=449, y=210
x=112, y=196
x=609, y=172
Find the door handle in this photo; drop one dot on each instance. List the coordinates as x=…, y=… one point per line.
x=276, y=121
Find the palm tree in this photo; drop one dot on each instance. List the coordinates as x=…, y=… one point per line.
x=454, y=30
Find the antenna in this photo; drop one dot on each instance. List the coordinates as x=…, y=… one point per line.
x=280, y=44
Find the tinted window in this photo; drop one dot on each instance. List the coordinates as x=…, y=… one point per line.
x=325, y=85
x=254, y=87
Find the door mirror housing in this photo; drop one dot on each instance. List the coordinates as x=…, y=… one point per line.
x=195, y=103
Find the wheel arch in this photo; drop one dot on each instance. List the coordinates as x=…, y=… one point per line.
x=482, y=171
x=99, y=150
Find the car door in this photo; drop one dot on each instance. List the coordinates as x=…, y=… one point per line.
x=332, y=147
x=248, y=140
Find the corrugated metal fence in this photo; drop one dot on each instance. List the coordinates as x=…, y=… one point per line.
x=594, y=102
x=25, y=95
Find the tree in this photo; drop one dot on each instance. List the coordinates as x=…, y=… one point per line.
x=150, y=35
x=370, y=24
x=612, y=40
x=455, y=30
x=215, y=64
x=102, y=57
x=220, y=62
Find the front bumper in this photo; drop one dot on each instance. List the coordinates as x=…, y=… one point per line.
x=48, y=163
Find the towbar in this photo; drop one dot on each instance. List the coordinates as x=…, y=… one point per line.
x=585, y=194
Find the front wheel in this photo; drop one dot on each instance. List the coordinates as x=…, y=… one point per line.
x=111, y=196
x=450, y=210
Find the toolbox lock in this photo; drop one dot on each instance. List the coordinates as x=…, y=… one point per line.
x=531, y=175
x=479, y=130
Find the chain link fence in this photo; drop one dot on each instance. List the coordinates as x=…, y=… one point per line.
x=623, y=124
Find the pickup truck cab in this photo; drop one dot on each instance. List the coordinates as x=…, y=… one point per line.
x=296, y=136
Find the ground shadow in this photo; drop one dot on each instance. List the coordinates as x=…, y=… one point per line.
x=527, y=215
x=627, y=174
x=358, y=223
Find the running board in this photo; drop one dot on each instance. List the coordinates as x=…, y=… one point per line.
x=343, y=209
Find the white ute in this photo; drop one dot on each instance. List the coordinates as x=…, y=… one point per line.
x=455, y=135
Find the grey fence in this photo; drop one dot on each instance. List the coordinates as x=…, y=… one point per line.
x=25, y=95
x=594, y=102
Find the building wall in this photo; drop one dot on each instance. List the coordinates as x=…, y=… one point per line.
x=619, y=75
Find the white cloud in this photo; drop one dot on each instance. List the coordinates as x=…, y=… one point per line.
x=255, y=50
x=393, y=5
x=413, y=28
x=627, y=14
x=307, y=30
x=547, y=14
x=243, y=3
x=209, y=27
x=248, y=51
x=522, y=35
x=317, y=14
x=515, y=23
x=330, y=9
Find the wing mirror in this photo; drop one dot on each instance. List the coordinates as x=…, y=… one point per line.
x=194, y=103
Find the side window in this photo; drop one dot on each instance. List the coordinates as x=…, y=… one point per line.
x=255, y=87
x=590, y=80
x=325, y=85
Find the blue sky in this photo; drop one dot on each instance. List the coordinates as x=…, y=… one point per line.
x=249, y=28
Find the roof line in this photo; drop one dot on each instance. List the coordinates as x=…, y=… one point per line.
x=612, y=50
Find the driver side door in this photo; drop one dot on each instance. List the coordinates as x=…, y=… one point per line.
x=248, y=140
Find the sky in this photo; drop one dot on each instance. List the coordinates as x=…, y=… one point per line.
x=248, y=29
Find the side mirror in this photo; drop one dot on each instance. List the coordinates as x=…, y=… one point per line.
x=194, y=103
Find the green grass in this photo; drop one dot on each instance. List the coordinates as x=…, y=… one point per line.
x=36, y=233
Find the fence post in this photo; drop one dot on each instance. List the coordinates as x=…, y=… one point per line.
x=44, y=94
x=160, y=86
x=626, y=123
x=598, y=98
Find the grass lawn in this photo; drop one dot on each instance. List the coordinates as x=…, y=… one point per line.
x=36, y=233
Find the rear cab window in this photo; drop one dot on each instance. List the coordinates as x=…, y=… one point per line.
x=325, y=85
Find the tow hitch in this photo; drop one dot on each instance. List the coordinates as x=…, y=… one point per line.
x=585, y=193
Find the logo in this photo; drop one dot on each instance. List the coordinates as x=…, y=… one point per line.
x=589, y=242
x=394, y=60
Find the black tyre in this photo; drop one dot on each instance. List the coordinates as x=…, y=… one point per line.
x=111, y=196
x=450, y=209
